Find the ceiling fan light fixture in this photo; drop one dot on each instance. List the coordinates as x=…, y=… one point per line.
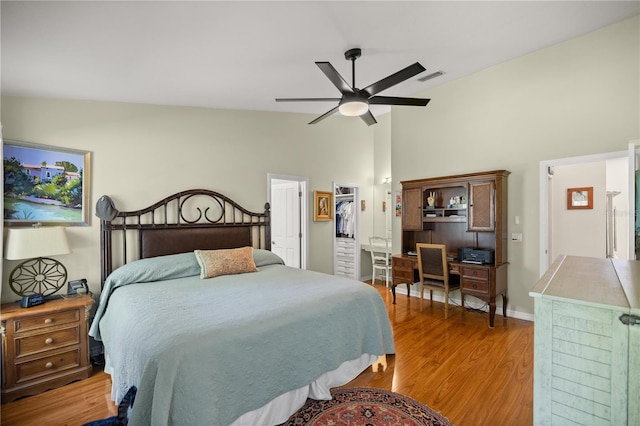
x=353, y=108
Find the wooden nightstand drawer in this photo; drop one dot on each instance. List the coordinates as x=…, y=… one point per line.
x=44, y=347
x=47, y=341
x=479, y=286
x=47, y=365
x=49, y=320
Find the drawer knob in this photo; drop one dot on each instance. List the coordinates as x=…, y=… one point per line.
x=475, y=273
x=49, y=364
x=48, y=341
x=475, y=286
x=48, y=321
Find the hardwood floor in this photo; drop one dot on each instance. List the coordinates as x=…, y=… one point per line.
x=460, y=367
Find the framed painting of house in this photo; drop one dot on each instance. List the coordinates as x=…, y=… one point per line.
x=45, y=184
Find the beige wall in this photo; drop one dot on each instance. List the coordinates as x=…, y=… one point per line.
x=376, y=192
x=142, y=153
x=576, y=98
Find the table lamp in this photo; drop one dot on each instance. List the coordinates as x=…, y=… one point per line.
x=38, y=274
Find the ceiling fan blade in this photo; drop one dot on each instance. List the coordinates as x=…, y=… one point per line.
x=335, y=77
x=323, y=116
x=368, y=118
x=308, y=99
x=394, y=79
x=393, y=100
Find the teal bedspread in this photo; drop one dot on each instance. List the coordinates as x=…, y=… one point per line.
x=207, y=351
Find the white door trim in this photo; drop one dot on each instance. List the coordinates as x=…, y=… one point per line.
x=634, y=164
x=304, y=214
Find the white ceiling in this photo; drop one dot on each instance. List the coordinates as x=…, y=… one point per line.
x=243, y=55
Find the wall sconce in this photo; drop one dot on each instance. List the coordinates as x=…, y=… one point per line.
x=38, y=274
x=386, y=180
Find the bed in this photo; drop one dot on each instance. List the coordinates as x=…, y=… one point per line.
x=245, y=346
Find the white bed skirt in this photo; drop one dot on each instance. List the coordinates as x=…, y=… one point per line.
x=282, y=407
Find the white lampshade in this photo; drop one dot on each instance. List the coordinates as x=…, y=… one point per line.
x=26, y=243
x=353, y=108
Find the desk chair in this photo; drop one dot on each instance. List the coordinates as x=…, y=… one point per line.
x=380, y=257
x=433, y=269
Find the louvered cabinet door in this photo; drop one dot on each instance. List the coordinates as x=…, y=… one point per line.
x=412, y=209
x=581, y=365
x=482, y=207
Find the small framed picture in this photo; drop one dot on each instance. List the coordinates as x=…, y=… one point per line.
x=580, y=198
x=321, y=206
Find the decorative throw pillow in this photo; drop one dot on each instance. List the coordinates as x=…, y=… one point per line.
x=214, y=263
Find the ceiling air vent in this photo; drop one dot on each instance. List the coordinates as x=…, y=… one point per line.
x=430, y=76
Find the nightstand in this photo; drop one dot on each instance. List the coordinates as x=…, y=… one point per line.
x=45, y=346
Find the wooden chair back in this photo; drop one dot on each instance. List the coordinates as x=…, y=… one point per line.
x=432, y=262
x=433, y=269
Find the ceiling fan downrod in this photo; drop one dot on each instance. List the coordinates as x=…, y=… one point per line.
x=352, y=55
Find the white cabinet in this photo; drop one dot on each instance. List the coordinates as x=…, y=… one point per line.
x=345, y=257
x=346, y=252
x=586, y=359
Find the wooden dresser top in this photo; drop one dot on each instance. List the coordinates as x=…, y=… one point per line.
x=611, y=282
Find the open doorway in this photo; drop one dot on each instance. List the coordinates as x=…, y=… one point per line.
x=599, y=231
x=289, y=226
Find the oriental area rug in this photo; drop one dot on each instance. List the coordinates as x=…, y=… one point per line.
x=366, y=407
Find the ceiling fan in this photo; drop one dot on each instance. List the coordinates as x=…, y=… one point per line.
x=355, y=102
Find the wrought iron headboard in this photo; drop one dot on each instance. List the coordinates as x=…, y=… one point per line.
x=183, y=222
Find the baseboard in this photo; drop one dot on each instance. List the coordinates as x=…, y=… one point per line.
x=471, y=302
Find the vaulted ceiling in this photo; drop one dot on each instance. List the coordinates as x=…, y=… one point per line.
x=243, y=55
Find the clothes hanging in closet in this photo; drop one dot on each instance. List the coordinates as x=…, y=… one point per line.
x=344, y=219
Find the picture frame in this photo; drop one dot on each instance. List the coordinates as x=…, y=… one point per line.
x=580, y=198
x=321, y=206
x=46, y=184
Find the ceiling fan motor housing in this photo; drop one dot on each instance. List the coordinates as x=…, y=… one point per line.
x=353, y=54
